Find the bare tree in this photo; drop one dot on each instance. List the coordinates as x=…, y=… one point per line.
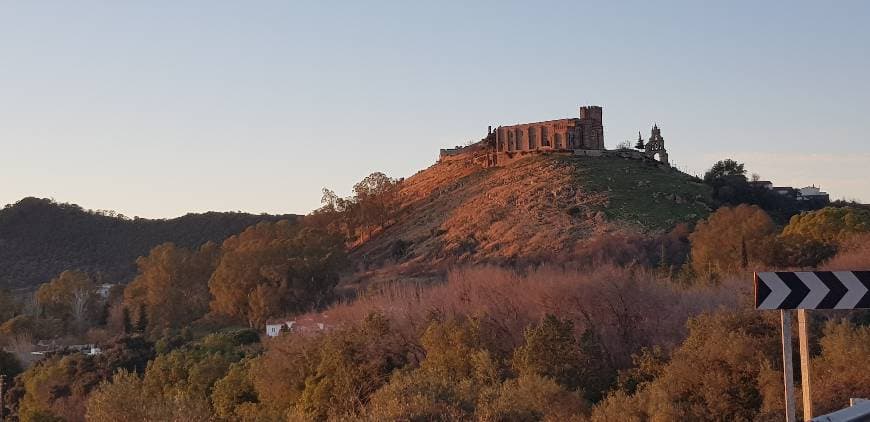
x=81, y=297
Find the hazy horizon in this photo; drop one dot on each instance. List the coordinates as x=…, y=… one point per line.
x=160, y=109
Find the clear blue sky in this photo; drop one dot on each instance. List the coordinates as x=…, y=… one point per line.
x=160, y=108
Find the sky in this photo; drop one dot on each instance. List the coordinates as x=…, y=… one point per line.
x=160, y=108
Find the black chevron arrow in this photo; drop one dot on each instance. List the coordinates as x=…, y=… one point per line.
x=864, y=277
x=799, y=290
x=838, y=290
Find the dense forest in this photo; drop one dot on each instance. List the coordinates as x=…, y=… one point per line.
x=636, y=325
x=39, y=238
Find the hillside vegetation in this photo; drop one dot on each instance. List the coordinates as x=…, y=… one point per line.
x=533, y=210
x=40, y=238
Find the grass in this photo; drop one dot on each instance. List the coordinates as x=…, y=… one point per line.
x=642, y=191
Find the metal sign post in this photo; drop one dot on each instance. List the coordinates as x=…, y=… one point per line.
x=804, y=290
x=2, y=380
x=787, y=369
x=803, y=339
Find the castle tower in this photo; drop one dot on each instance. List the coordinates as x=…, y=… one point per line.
x=591, y=134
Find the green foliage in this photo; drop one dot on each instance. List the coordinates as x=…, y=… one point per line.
x=374, y=203
x=42, y=238
x=840, y=370
x=725, y=169
x=730, y=239
x=643, y=192
x=531, y=398
x=275, y=268
x=172, y=286
x=58, y=386
x=829, y=225
x=9, y=365
x=9, y=306
x=730, y=187
x=71, y=297
x=232, y=392
x=448, y=383
x=791, y=250
x=123, y=400
x=551, y=351
x=720, y=372
x=181, y=383
x=353, y=364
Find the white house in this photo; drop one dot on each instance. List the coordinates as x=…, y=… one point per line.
x=272, y=330
x=812, y=192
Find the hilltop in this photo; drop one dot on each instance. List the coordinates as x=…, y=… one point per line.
x=533, y=210
x=39, y=238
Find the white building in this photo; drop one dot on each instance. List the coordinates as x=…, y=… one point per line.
x=811, y=192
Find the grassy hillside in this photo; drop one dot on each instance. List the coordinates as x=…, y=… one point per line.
x=537, y=209
x=40, y=238
x=645, y=193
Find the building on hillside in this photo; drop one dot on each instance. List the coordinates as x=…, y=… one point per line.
x=810, y=193
x=766, y=184
x=104, y=289
x=274, y=329
x=654, y=146
x=304, y=325
x=582, y=135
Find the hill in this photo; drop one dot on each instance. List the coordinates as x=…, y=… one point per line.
x=40, y=238
x=544, y=208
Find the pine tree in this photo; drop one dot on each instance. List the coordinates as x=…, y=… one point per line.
x=128, y=323
x=142, y=323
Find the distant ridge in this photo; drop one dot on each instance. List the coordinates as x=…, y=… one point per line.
x=39, y=238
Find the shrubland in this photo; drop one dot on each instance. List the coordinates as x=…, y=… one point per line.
x=540, y=301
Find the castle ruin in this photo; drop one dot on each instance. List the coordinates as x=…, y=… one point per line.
x=583, y=135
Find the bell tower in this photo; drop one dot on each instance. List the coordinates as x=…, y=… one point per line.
x=656, y=145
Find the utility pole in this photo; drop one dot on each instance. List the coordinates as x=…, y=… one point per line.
x=803, y=339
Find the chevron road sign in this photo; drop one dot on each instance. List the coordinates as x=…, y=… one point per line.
x=812, y=290
x=803, y=290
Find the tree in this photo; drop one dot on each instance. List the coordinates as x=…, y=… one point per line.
x=172, y=285
x=845, y=347
x=275, y=268
x=829, y=225
x=449, y=383
x=127, y=322
x=124, y=399
x=353, y=365
x=531, y=398
x=71, y=296
x=550, y=350
x=720, y=242
x=722, y=371
x=9, y=306
x=9, y=365
x=374, y=202
x=232, y=392
x=724, y=169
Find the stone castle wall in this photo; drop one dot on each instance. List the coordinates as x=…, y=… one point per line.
x=580, y=136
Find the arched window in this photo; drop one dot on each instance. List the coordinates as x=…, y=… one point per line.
x=532, y=139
